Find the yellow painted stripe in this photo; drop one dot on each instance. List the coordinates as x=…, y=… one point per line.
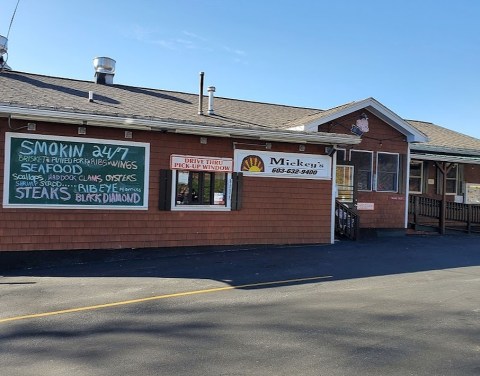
x=158, y=297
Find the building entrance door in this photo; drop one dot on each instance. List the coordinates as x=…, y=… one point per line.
x=345, y=184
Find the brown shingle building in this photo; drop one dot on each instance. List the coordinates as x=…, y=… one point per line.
x=90, y=165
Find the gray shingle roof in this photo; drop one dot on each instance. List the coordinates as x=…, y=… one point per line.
x=445, y=140
x=316, y=116
x=45, y=92
x=68, y=95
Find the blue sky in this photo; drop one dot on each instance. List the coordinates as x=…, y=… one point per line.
x=419, y=58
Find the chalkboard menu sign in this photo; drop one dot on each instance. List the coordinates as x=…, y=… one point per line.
x=66, y=172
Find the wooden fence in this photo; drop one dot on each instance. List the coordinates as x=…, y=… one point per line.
x=425, y=210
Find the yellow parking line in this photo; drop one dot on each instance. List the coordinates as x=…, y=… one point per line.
x=158, y=297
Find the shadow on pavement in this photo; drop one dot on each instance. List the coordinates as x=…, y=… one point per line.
x=247, y=265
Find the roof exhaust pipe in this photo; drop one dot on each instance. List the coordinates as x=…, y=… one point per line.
x=211, y=90
x=104, y=70
x=3, y=51
x=200, y=94
x=3, y=45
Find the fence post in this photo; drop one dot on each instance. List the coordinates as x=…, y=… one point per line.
x=416, y=211
x=357, y=227
x=469, y=218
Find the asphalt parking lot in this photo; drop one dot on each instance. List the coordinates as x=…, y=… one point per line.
x=389, y=306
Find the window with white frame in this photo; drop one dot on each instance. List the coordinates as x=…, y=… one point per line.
x=363, y=162
x=416, y=177
x=344, y=181
x=201, y=188
x=344, y=177
x=200, y=183
x=387, y=172
x=452, y=178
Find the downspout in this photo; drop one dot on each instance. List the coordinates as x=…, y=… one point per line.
x=407, y=185
x=334, y=194
x=443, y=208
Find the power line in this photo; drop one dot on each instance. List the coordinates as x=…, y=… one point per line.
x=13, y=16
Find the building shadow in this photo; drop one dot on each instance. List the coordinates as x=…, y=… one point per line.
x=256, y=266
x=152, y=93
x=60, y=88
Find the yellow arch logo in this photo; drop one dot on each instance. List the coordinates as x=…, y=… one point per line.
x=253, y=163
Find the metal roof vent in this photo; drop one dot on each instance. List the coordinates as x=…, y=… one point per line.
x=3, y=51
x=211, y=90
x=3, y=44
x=104, y=70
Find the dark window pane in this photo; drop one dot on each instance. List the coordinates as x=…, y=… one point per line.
x=207, y=188
x=363, y=166
x=195, y=186
x=387, y=182
x=415, y=185
x=364, y=181
x=452, y=174
x=416, y=169
x=182, y=190
x=219, y=194
x=201, y=188
x=387, y=172
x=451, y=186
x=387, y=162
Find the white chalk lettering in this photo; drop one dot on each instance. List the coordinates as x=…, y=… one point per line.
x=34, y=178
x=127, y=165
x=47, y=168
x=101, y=188
x=109, y=152
x=39, y=193
x=120, y=177
x=92, y=178
x=133, y=198
x=57, y=149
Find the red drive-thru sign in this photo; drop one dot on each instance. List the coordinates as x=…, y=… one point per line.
x=197, y=163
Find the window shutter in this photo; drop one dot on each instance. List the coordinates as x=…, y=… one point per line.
x=165, y=189
x=237, y=189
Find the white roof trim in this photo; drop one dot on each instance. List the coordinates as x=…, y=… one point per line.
x=444, y=149
x=174, y=127
x=445, y=158
x=379, y=110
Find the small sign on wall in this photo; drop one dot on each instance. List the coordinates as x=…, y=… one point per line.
x=365, y=206
x=472, y=193
x=197, y=163
x=282, y=165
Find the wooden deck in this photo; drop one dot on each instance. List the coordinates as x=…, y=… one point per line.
x=424, y=215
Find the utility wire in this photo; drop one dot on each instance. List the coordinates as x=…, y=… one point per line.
x=13, y=16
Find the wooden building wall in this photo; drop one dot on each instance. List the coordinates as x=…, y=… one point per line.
x=389, y=207
x=275, y=211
